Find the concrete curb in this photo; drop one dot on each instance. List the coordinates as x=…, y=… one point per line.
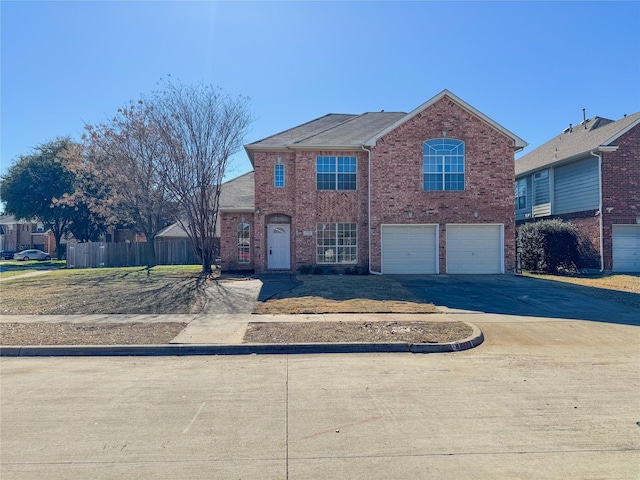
x=243, y=349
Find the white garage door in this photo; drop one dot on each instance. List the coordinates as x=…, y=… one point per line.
x=409, y=248
x=475, y=249
x=626, y=248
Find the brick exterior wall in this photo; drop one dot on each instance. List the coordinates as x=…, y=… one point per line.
x=397, y=182
x=305, y=205
x=620, y=188
x=21, y=236
x=229, y=240
x=397, y=188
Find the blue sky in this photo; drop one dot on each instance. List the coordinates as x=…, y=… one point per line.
x=530, y=66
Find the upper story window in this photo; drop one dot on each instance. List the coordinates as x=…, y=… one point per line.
x=521, y=194
x=278, y=175
x=336, y=173
x=443, y=164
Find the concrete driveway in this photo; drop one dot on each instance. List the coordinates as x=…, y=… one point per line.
x=523, y=296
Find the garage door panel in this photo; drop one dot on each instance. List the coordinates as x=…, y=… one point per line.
x=409, y=249
x=626, y=248
x=474, y=249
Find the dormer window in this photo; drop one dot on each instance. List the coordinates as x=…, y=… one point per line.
x=443, y=164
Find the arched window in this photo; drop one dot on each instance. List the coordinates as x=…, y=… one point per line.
x=443, y=164
x=244, y=243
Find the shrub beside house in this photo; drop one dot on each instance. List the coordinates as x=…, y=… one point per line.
x=588, y=175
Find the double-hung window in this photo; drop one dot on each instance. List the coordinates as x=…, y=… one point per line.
x=278, y=175
x=244, y=243
x=337, y=243
x=336, y=173
x=443, y=164
x=521, y=194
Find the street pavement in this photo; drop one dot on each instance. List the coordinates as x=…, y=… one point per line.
x=540, y=398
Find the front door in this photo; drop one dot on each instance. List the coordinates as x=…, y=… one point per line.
x=278, y=252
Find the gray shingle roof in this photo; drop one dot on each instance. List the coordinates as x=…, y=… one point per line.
x=576, y=142
x=306, y=130
x=332, y=130
x=353, y=131
x=238, y=194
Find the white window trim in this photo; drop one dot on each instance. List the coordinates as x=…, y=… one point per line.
x=275, y=175
x=444, y=172
x=337, y=247
x=240, y=248
x=356, y=173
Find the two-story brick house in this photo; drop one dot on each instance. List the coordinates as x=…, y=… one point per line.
x=589, y=175
x=19, y=235
x=430, y=191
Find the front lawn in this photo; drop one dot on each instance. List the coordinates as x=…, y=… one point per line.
x=129, y=290
x=345, y=294
x=623, y=283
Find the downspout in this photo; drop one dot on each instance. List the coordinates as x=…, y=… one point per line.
x=600, y=206
x=369, y=208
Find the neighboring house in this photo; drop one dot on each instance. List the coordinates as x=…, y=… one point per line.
x=589, y=175
x=20, y=235
x=430, y=192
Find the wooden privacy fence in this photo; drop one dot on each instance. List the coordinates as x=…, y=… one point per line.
x=125, y=254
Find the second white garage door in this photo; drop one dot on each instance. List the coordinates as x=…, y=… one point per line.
x=409, y=249
x=475, y=248
x=626, y=248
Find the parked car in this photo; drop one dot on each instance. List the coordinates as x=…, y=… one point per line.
x=7, y=254
x=32, y=254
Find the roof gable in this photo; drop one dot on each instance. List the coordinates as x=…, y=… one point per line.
x=576, y=142
x=518, y=143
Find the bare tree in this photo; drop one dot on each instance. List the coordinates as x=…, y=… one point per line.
x=200, y=128
x=126, y=154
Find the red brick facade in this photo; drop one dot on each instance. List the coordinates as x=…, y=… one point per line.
x=396, y=184
x=620, y=188
x=397, y=193
x=229, y=240
x=19, y=236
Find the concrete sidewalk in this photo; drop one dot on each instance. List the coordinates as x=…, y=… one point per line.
x=223, y=335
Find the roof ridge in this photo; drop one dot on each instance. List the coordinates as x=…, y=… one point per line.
x=353, y=117
x=297, y=126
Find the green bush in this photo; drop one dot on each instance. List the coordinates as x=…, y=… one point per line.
x=548, y=246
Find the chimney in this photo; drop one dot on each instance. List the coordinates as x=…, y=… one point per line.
x=584, y=117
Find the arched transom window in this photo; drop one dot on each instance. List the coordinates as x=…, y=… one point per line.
x=443, y=164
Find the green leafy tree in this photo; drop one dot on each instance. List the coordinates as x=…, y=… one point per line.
x=33, y=187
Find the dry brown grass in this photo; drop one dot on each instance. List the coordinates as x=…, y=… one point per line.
x=345, y=294
x=135, y=290
x=369, y=332
x=622, y=283
x=65, y=333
